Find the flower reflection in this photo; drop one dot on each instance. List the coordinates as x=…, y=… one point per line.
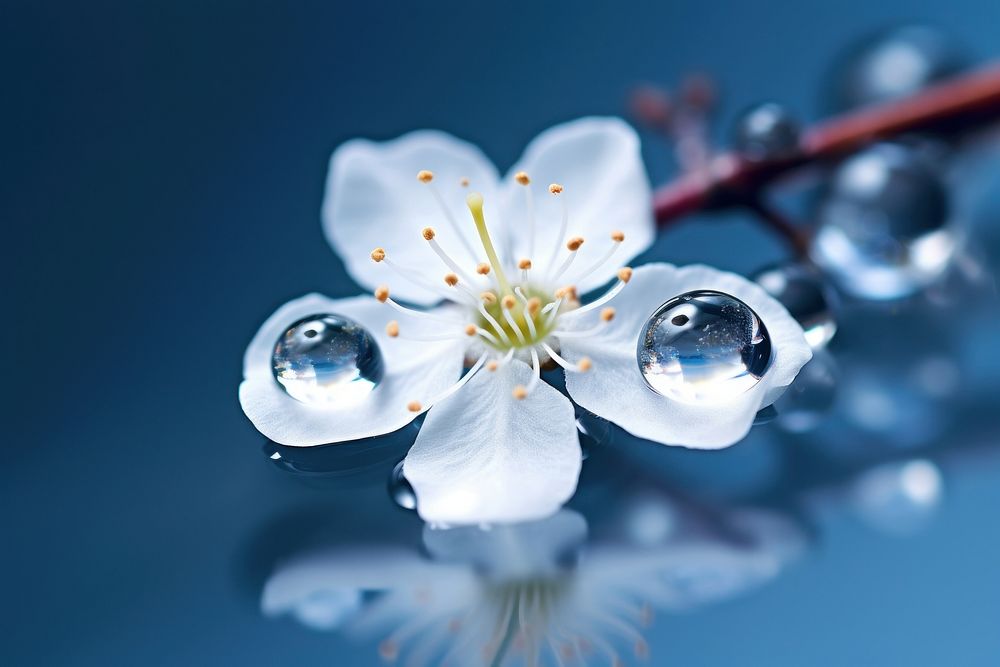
x=534, y=593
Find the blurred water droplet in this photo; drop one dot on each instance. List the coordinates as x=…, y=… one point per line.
x=808, y=400
x=806, y=297
x=703, y=346
x=766, y=131
x=327, y=360
x=894, y=63
x=400, y=490
x=883, y=224
x=898, y=497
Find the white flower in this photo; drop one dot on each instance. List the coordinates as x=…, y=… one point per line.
x=425, y=219
x=513, y=594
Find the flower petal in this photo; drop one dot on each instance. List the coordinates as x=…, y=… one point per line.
x=414, y=370
x=614, y=388
x=525, y=551
x=374, y=199
x=483, y=456
x=597, y=161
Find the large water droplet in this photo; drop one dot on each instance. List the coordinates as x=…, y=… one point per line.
x=883, y=224
x=401, y=490
x=805, y=296
x=327, y=360
x=703, y=346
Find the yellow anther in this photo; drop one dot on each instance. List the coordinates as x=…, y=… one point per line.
x=617, y=236
x=555, y=188
x=574, y=243
x=520, y=392
x=508, y=302
x=492, y=365
x=414, y=406
x=392, y=329
x=522, y=178
x=470, y=329
x=451, y=279
x=584, y=364
x=428, y=233
x=534, y=303
x=524, y=264
x=483, y=268
x=569, y=292
x=382, y=293
x=489, y=298
x=378, y=254
x=464, y=182
x=425, y=176
x=625, y=274
x=608, y=314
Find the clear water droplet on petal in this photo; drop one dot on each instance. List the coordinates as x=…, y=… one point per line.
x=703, y=346
x=327, y=360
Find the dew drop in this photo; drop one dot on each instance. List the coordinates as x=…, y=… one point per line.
x=719, y=350
x=400, y=490
x=327, y=360
x=803, y=293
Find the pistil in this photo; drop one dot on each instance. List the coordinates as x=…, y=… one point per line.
x=475, y=203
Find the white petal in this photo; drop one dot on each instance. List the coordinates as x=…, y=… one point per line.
x=373, y=199
x=413, y=371
x=482, y=456
x=615, y=390
x=597, y=161
x=526, y=550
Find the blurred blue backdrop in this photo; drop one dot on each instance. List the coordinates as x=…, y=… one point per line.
x=163, y=166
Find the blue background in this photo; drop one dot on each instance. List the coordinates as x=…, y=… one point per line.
x=162, y=170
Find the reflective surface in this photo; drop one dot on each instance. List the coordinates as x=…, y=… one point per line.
x=327, y=360
x=703, y=346
x=165, y=164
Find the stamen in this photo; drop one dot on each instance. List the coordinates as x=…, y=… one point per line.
x=483, y=269
x=464, y=182
x=428, y=233
x=475, y=204
x=572, y=245
x=378, y=256
x=488, y=336
x=520, y=392
x=489, y=298
x=582, y=366
x=416, y=406
x=533, y=302
x=557, y=189
x=382, y=295
x=536, y=368
x=496, y=325
x=492, y=365
x=471, y=329
x=525, y=266
x=505, y=305
x=624, y=275
x=616, y=241
x=451, y=279
x=529, y=202
x=607, y=315
x=392, y=329
x=426, y=177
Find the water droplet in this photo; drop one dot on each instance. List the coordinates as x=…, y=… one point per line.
x=894, y=63
x=883, y=224
x=808, y=400
x=899, y=498
x=400, y=490
x=327, y=360
x=801, y=290
x=766, y=131
x=721, y=350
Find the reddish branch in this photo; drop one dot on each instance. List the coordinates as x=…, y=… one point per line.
x=730, y=180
